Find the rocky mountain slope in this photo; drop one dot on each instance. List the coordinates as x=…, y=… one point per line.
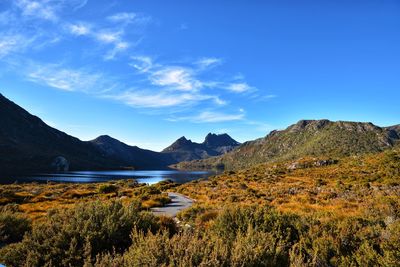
x=213, y=145
x=306, y=138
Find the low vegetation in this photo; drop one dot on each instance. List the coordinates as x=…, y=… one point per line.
x=116, y=235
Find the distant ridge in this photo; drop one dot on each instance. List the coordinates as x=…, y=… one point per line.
x=213, y=145
x=131, y=155
x=306, y=138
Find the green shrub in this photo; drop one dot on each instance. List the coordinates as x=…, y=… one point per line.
x=233, y=221
x=107, y=188
x=191, y=213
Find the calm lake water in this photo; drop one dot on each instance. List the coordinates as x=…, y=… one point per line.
x=148, y=177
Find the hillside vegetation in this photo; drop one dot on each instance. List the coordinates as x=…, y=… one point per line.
x=306, y=138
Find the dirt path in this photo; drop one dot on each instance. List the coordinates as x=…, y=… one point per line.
x=179, y=202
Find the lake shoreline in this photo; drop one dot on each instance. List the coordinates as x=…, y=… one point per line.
x=141, y=176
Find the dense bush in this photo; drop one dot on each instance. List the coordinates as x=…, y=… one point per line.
x=114, y=235
x=233, y=221
x=252, y=236
x=107, y=188
x=69, y=237
x=193, y=249
x=13, y=226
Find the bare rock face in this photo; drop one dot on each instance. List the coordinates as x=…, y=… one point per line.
x=303, y=164
x=60, y=164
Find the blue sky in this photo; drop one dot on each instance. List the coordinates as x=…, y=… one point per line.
x=148, y=72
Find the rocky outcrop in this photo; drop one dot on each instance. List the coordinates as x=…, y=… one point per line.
x=303, y=164
x=60, y=164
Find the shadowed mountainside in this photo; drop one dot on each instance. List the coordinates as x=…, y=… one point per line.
x=129, y=155
x=27, y=144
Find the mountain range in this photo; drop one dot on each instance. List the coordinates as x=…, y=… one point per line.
x=315, y=138
x=28, y=145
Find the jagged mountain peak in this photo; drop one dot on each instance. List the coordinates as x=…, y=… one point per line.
x=183, y=139
x=218, y=140
x=213, y=145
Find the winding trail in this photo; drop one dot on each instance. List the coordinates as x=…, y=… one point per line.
x=179, y=202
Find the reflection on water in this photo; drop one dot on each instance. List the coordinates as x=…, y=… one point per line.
x=148, y=177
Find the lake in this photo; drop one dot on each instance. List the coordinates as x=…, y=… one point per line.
x=148, y=177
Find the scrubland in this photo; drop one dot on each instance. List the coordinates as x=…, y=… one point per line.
x=307, y=212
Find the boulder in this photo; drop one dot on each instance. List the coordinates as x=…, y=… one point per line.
x=60, y=164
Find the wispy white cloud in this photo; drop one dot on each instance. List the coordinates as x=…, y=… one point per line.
x=171, y=87
x=118, y=48
x=124, y=17
x=61, y=78
x=80, y=4
x=109, y=37
x=142, y=64
x=104, y=37
x=97, y=84
x=239, y=87
x=129, y=18
x=38, y=9
x=79, y=29
x=148, y=99
x=207, y=62
x=13, y=43
x=176, y=78
x=182, y=80
x=210, y=117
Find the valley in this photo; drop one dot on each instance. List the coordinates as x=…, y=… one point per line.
x=319, y=193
